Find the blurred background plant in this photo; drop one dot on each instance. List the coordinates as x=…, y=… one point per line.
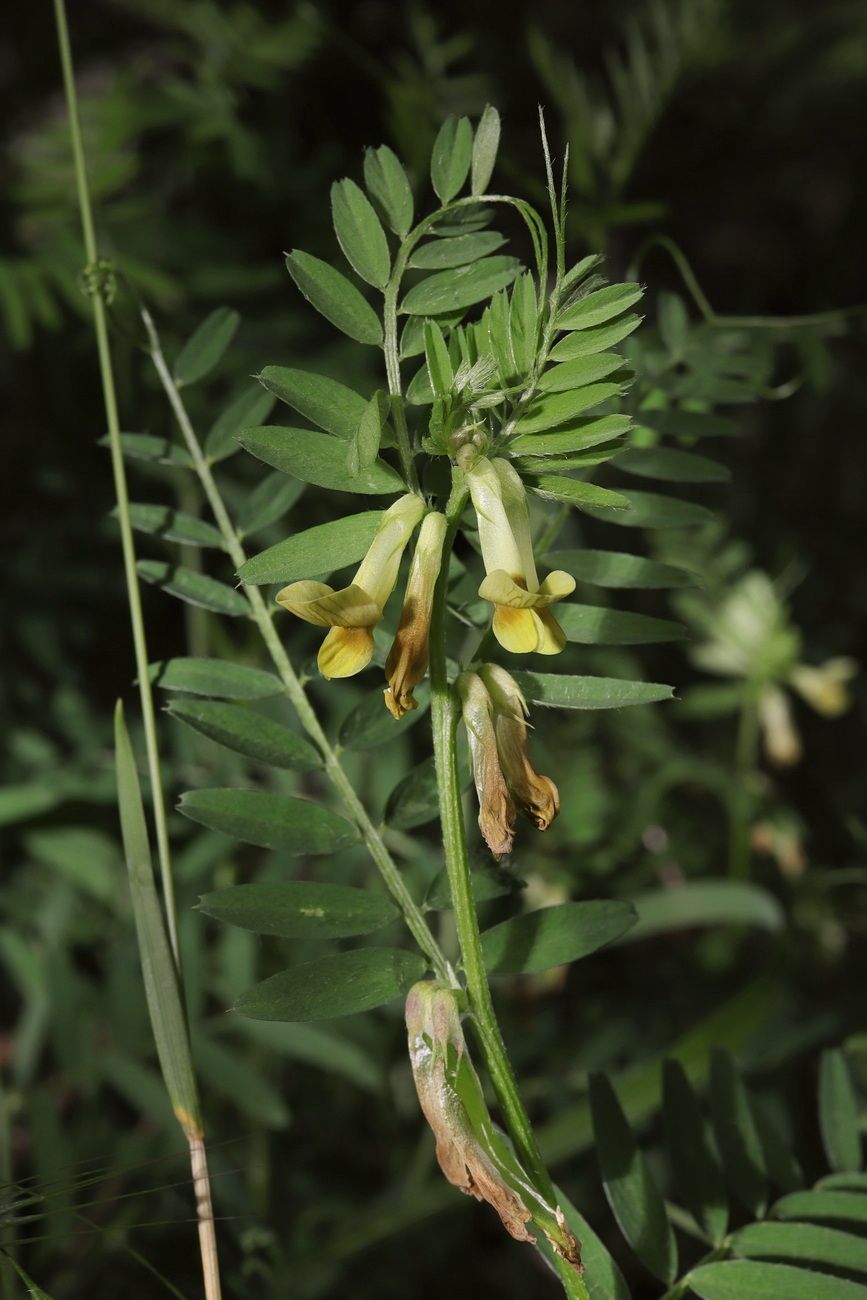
x=213, y=134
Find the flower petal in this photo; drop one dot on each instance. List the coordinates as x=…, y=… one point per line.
x=316, y=603
x=345, y=651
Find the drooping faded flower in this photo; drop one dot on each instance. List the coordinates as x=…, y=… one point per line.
x=522, y=621
x=407, y=661
x=536, y=796
x=496, y=809
x=352, y=613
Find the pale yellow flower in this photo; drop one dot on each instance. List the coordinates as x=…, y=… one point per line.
x=352, y=613
x=522, y=621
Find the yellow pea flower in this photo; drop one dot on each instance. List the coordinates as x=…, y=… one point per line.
x=522, y=621
x=351, y=614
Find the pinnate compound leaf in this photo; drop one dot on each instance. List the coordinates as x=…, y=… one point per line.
x=251, y=407
x=331, y=405
x=318, y=458
x=442, y=254
x=447, y=291
x=272, y=821
x=194, y=588
x=600, y=306
x=314, y=552
x=808, y=1241
x=206, y=347
x=833, y=1206
x=451, y=157
x=219, y=677
x=618, y=570
x=173, y=525
x=735, y=1132
x=650, y=510
x=575, y=492
x=370, y=723
x=359, y=233
x=672, y=465
x=595, y=625
x=706, y=902
x=744, y=1279
x=246, y=731
x=300, y=909
x=634, y=1199
x=386, y=182
x=695, y=1163
x=341, y=985
x=564, y=692
x=485, y=146
x=268, y=502
x=582, y=342
x=838, y=1113
x=553, y=936
x=334, y=297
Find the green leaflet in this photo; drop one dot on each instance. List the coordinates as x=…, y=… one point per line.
x=735, y=1132
x=341, y=985
x=553, y=409
x=299, y=909
x=838, y=1113
x=442, y=254
x=314, y=552
x=808, y=1241
x=617, y=570
x=206, y=347
x=268, y=502
x=365, y=443
x=582, y=370
x=485, y=146
x=415, y=799
x=451, y=157
x=173, y=525
x=387, y=184
x=447, y=291
x=359, y=233
x=562, y=692
x=705, y=902
x=218, y=677
x=194, y=588
x=252, y=406
x=599, y=306
x=575, y=492
x=334, y=297
x=737, y=1279
x=673, y=465
x=318, y=458
x=145, y=446
x=583, y=433
x=650, y=510
x=637, y=1204
x=331, y=405
x=582, y=342
x=552, y=936
x=270, y=820
x=833, y=1206
x=246, y=731
x=694, y=1160
x=595, y=625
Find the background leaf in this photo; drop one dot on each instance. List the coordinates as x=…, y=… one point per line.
x=269, y=820
x=735, y=1132
x=296, y=909
x=552, y=936
x=206, y=347
x=341, y=985
x=705, y=902
x=220, y=677
x=694, y=1161
x=560, y=691
x=194, y=588
x=838, y=1113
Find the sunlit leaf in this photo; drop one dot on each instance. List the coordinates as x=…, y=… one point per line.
x=564, y=692
x=575, y=492
x=583, y=342
x=314, y=552
x=582, y=370
x=462, y=286
x=451, y=157
x=600, y=306
x=359, y=233
x=552, y=409
x=318, y=458
x=324, y=401
x=334, y=297
x=386, y=182
x=441, y=254
x=485, y=145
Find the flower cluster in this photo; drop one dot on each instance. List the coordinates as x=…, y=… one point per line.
x=495, y=711
x=522, y=621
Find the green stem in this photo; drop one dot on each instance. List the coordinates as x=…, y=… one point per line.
x=385, y=863
x=119, y=472
x=444, y=719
